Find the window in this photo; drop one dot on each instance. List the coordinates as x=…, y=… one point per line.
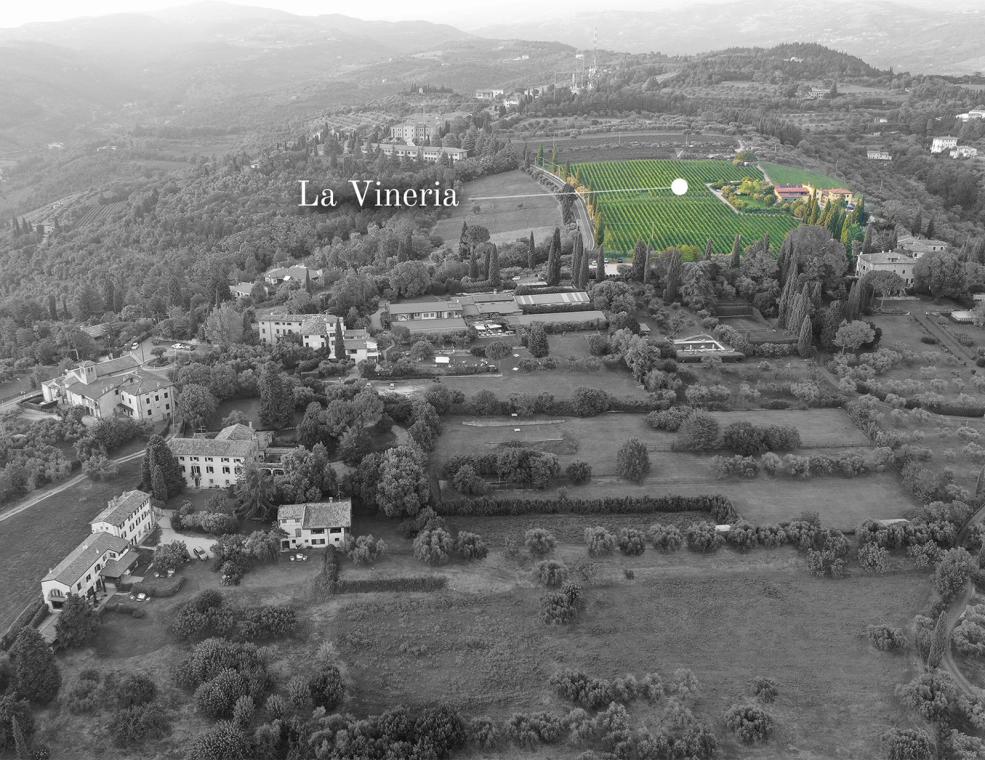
x=149, y=412
x=89, y=577
x=225, y=470
x=209, y=469
x=317, y=531
x=335, y=530
x=165, y=394
x=297, y=533
x=78, y=586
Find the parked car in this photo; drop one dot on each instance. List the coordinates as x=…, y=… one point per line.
x=134, y=346
x=200, y=553
x=300, y=557
x=142, y=597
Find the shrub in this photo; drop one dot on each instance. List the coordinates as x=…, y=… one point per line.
x=669, y=420
x=433, y=547
x=297, y=692
x=551, y=573
x=579, y=473
x=667, y=538
x=952, y=573
x=327, y=688
x=539, y=542
x=873, y=558
x=909, y=744
x=365, y=550
x=133, y=725
x=764, y=689
x=886, y=638
x=562, y=607
x=749, y=722
x=276, y=706
x=469, y=546
x=467, y=481
x=632, y=460
x=699, y=432
x=216, y=697
x=742, y=536
x=703, y=537
x=968, y=635
x=244, y=711
x=265, y=622
x=600, y=541
x=932, y=694
x=224, y=741
x=483, y=732
x=631, y=541
x=129, y=689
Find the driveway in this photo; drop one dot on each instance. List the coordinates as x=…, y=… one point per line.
x=169, y=534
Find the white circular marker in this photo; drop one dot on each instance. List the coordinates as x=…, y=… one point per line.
x=678, y=186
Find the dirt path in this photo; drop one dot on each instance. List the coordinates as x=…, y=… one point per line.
x=954, y=612
x=935, y=330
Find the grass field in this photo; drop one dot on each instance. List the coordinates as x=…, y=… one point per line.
x=841, y=502
x=36, y=540
x=490, y=652
x=506, y=219
x=792, y=175
x=663, y=219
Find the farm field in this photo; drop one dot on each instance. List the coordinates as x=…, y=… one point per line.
x=662, y=219
x=792, y=175
x=506, y=219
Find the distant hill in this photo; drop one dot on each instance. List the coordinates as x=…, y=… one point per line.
x=886, y=34
x=196, y=64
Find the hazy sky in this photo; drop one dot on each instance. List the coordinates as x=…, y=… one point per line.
x=455, y=12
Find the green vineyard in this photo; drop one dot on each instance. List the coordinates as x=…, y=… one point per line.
x=662, y=219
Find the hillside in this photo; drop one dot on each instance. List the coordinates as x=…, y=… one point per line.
x=886, y=34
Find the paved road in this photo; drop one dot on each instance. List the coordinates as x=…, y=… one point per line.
x=584, y=223
x=37, y=498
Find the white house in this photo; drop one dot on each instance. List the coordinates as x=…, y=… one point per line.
x=887, y=261
x=293, y=274
x=361, y=349
x=113, y=387
x=918, y=246
x=964, y=151
x=941, y=144
x=128, y=516
x=878, y=155
x=315, y=524
x=82, y=573
x=318, y=331
x=276, y=325
x=218, y=462
x=976, y=114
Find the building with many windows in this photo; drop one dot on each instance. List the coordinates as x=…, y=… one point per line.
x=315, y=524
x=942, y=144
x=276, y=325
x=129, y=516
x=114, y=387
x=899, y=262
x=218, y=462
x=102, y=556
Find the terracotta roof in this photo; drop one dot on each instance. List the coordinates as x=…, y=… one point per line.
x=84, y=556
x=319, y=324
x=210, y=447
x=116, y=567
x=235, y=432
x=322, y=514
x=121, y=507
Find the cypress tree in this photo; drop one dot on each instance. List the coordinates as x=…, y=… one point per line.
x=554, y=259
x=854, y=306
x=577, y=252
x=599, y=264
x=473, y=265
x=804, y=339
x=21, y=748
x=917, y=227
x=494, y=265
x=157, y=454
x=339, y=341
x=600, y=231
x=736, y=251
x=675, y=270
x=158, y=485
x=980, y=484
x=867, y=241
x=709, y=249
x=798, y=310
x=531, y=252
x=785, y=301
x=639, y=261
x=308, y=286
x=930, y=228
x=52, y=307
x=583, y=275
x=487, y=263
x=276, y=407
x=766, y=242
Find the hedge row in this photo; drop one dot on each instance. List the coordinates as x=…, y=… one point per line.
x=718, y=506
x=414, y=583
x=553, y=328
